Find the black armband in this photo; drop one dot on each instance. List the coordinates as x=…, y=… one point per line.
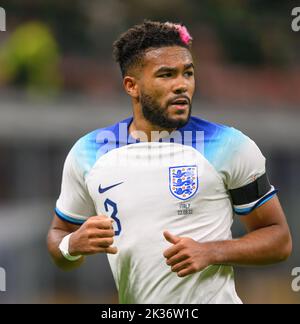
x=251, y=192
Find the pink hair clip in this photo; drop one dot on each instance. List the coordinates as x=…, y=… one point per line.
x=184, y=34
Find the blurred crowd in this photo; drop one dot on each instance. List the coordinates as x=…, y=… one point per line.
x=244, y=50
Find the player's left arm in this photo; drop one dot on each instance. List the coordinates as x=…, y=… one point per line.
x=268, y=241
x=268, y=234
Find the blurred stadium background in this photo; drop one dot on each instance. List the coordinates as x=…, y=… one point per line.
x=58, y=81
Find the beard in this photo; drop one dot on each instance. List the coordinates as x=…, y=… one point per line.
x=158, y=115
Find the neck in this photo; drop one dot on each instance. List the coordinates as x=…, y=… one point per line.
x=142, y=128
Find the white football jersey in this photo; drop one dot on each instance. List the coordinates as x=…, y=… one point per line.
x=181, y=184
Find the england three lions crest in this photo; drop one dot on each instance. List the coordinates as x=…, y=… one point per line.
x=183, y=181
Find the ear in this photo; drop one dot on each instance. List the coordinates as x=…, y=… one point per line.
x=131, y=86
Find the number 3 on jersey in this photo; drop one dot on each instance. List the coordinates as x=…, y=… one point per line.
x=111, y=206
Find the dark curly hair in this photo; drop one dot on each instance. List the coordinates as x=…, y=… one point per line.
x=129, y=49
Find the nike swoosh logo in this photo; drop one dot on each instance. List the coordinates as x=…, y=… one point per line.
x=102, y=190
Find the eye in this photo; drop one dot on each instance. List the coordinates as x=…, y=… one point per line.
x=165, y=75
x=189, y=73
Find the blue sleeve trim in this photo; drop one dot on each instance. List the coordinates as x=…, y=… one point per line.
x=68, y=218
x=246, y=211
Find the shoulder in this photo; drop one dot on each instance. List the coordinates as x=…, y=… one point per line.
x=214, y=131
x=226, y=148
x=90, y=147
x=219, y=140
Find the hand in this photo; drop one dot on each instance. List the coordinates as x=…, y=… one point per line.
x=94, y=236
x=186, y=256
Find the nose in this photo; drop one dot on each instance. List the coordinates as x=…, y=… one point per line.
x=180, y=86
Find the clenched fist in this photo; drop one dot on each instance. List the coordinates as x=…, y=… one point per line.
x=187, y=256
x=96, y=235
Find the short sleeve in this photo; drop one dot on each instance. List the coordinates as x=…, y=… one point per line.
x=74, y=204
x=247, y=180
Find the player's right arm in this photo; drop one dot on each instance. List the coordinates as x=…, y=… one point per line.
x=75, y=210
x=92, y=237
